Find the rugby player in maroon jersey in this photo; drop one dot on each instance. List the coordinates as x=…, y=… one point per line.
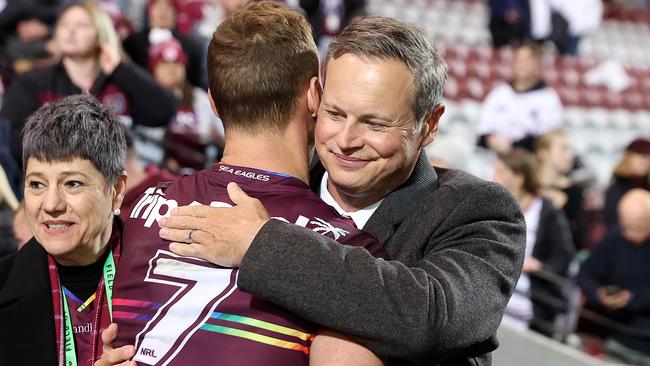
x=181, y=310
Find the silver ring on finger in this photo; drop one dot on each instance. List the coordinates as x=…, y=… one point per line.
x=189, y=236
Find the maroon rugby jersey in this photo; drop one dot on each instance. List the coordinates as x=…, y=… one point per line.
x=185, y=311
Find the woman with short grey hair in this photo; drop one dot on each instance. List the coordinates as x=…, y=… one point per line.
x=55, y=293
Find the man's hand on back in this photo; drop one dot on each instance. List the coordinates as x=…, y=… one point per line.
x=219, y=235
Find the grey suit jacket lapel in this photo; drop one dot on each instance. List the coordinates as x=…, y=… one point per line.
x=398, y=205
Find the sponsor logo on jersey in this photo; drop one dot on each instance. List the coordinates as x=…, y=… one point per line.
x=153, y=206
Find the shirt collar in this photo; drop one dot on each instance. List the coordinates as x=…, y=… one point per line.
x=360, y=217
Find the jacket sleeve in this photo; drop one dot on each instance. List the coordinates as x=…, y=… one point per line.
x=152, y=104
x=449, y=299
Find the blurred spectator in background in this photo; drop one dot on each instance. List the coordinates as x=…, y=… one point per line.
x=329, y=17
x=134, y=11
x=7, y=196
x=581, y=17
x=213, y=12
x=162, y=17
x=561, y=22
x=12, y=171
x=561, y=181
x=632, y=171
x=10, y=192
x=8, y=205
x=25, y=28
x=200, y=18
x=515, y=114
x=194, y=128
x=509, y=21
x=122, y=24
x=548, y=245
x=91, y=60
x=615, y=278
x=140, y=176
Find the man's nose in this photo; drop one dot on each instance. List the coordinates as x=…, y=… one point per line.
x=349, y=136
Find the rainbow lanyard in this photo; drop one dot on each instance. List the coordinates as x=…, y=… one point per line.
x=109, y=275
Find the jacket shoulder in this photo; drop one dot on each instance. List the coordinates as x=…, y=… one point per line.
x=464, y=183
x=24, y=257
x=460, y=193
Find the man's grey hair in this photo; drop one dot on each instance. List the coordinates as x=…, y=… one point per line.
x=385, y=39
x=76, y=127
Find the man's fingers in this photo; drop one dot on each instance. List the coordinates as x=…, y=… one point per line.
x=187, y=250
x=193, y=211
x=184, y=222
x=236, y=194
x=175, y=235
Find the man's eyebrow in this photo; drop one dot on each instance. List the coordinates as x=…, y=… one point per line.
x=331, y=106
x=372, y=116
x=363, y=117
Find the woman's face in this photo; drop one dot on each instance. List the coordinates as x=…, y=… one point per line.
x=639, y=164
x=506, y=177
x=171, y=75
x=76, y=34
x=162, y=14
x=560, y=154
x=69, y=207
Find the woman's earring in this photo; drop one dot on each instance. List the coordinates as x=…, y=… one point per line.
x=117, y=212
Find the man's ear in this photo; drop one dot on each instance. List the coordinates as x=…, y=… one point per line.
x=430, y=128
x=313, y=96
x=213, y=105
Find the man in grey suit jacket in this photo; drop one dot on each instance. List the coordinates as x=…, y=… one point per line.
x=457, y=242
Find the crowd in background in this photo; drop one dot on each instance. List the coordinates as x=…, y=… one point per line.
x=146, y=60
